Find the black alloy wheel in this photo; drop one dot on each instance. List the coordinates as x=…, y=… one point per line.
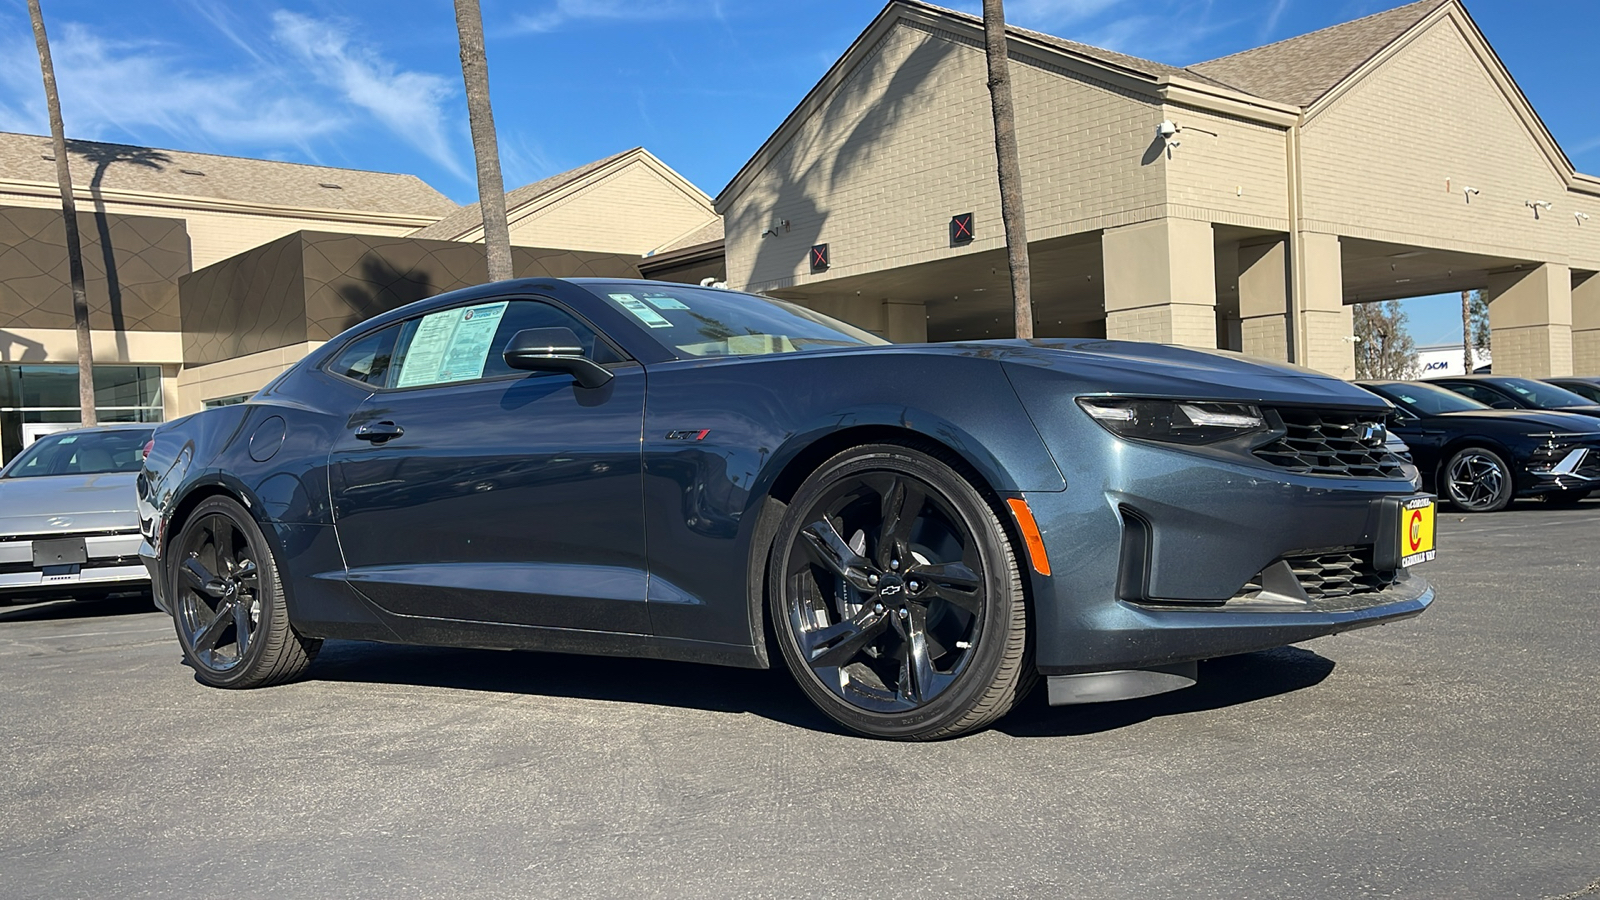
x=896, y=597
x=1477, y=480
x=228, y=601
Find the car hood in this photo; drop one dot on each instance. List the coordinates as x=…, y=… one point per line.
x=1164, y=370
x=1534, y=420
x=68, y=504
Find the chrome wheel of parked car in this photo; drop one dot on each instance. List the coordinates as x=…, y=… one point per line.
x=227, y=601
x=1478, y=480
x=897, y=598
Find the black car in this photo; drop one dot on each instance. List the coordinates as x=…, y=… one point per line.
x=1508, y=392
x=1585, y=386
x=651, y=469
x=1481, y=458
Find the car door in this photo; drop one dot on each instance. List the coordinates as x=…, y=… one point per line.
x=466, y=490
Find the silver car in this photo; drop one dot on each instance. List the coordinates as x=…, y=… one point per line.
x=68, y=514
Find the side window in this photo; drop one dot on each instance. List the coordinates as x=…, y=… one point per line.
x=1482, y=395
x=466, y=343
x=523, y=314
x=367, y=359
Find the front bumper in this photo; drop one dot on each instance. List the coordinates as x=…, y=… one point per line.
x=112, y=562
x=1154, y=552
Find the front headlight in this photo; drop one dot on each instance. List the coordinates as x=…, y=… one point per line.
x=1174, y=421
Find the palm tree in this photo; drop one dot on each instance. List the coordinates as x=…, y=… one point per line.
x=69, y=215
x=491, y=188
x=1005, y=151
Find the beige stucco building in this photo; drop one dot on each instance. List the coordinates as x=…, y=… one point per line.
x=1244, y=203
x=207, y=275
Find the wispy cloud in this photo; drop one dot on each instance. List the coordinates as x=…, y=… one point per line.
x=410, y=104
x=310, y=81
x=557, y=14
x=1269, y=25
x=1586, y=146
x=110, y=87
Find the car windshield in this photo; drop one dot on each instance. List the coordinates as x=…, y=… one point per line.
x=693, y=321
x=82, y=453
x=1541, y=395
x=1424, y=399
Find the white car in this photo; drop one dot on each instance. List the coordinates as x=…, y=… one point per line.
x=69, y=521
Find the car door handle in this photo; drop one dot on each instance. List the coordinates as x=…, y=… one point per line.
x=378, y=432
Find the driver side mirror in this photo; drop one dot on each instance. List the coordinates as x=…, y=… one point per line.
x=554, y=350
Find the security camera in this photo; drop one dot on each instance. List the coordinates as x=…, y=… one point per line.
x=1581, y=216
x=1470, y=190
x=1166, y=129
x=1538, y=204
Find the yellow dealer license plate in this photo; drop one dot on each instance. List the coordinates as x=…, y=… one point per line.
x=1416, y=531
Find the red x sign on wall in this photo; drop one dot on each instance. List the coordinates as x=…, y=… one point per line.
x=819, y=258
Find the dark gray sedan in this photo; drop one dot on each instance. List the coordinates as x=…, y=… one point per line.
x=68, y=514
x=649, y=469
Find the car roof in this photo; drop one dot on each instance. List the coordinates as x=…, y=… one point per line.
x=109, y=426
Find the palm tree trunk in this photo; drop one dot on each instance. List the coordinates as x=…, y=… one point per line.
x=69, y=215
x=491, y=188
x=1005, y=151
x=1466, y=332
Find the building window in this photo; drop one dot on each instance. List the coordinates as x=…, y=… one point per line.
x=233, y=400
x=37, y=400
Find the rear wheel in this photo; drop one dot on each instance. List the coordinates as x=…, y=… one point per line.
x=1477, y=480
x=228, y=601
x=896, y=598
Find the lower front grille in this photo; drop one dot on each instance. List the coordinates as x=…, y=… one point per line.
x=1318, y=575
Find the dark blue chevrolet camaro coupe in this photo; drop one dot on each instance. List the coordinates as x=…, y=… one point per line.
x=650, y=469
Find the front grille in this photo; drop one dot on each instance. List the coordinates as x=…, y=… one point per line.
x=1324, y=574
x=1329, y=443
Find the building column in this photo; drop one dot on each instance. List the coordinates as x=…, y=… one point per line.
x=905, y=321
x=1325, y=323
x=1585, y=323
x=1264, y=299
x=1161, y=282
x=1530, y=321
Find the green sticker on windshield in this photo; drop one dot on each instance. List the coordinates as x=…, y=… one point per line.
x=642, y=312
x=662, y=301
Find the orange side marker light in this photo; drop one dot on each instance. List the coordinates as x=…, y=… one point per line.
x=1030, y=535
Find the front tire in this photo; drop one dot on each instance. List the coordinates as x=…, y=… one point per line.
x=896, y=597
x=1478, y=480
x=228, y=603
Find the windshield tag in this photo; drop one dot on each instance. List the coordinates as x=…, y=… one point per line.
x=642, y=312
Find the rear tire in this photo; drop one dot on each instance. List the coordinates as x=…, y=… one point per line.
x=896, y=597
x=228, y=603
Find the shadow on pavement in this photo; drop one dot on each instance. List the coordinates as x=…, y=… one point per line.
x=1229, y=681
x=769, y=693
x=69, y=608
x=773, y=694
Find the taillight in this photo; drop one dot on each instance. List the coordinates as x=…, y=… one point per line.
x=149, y=445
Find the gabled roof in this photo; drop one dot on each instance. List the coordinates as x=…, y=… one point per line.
x=703, y=237
x=1301, y=70
x=466, y=218
x=147, y=170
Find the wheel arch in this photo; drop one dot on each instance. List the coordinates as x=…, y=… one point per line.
x=807, y=459
x=1456, y=445
x=220, y=485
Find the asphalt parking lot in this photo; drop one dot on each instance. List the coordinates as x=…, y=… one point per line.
x=1455, y=755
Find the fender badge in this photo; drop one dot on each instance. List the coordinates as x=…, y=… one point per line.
x=688, y=435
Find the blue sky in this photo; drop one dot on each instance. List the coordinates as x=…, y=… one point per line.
x=702, y=83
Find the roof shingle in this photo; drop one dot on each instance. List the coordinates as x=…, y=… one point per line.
x=29, y=157
x=1300, y=70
